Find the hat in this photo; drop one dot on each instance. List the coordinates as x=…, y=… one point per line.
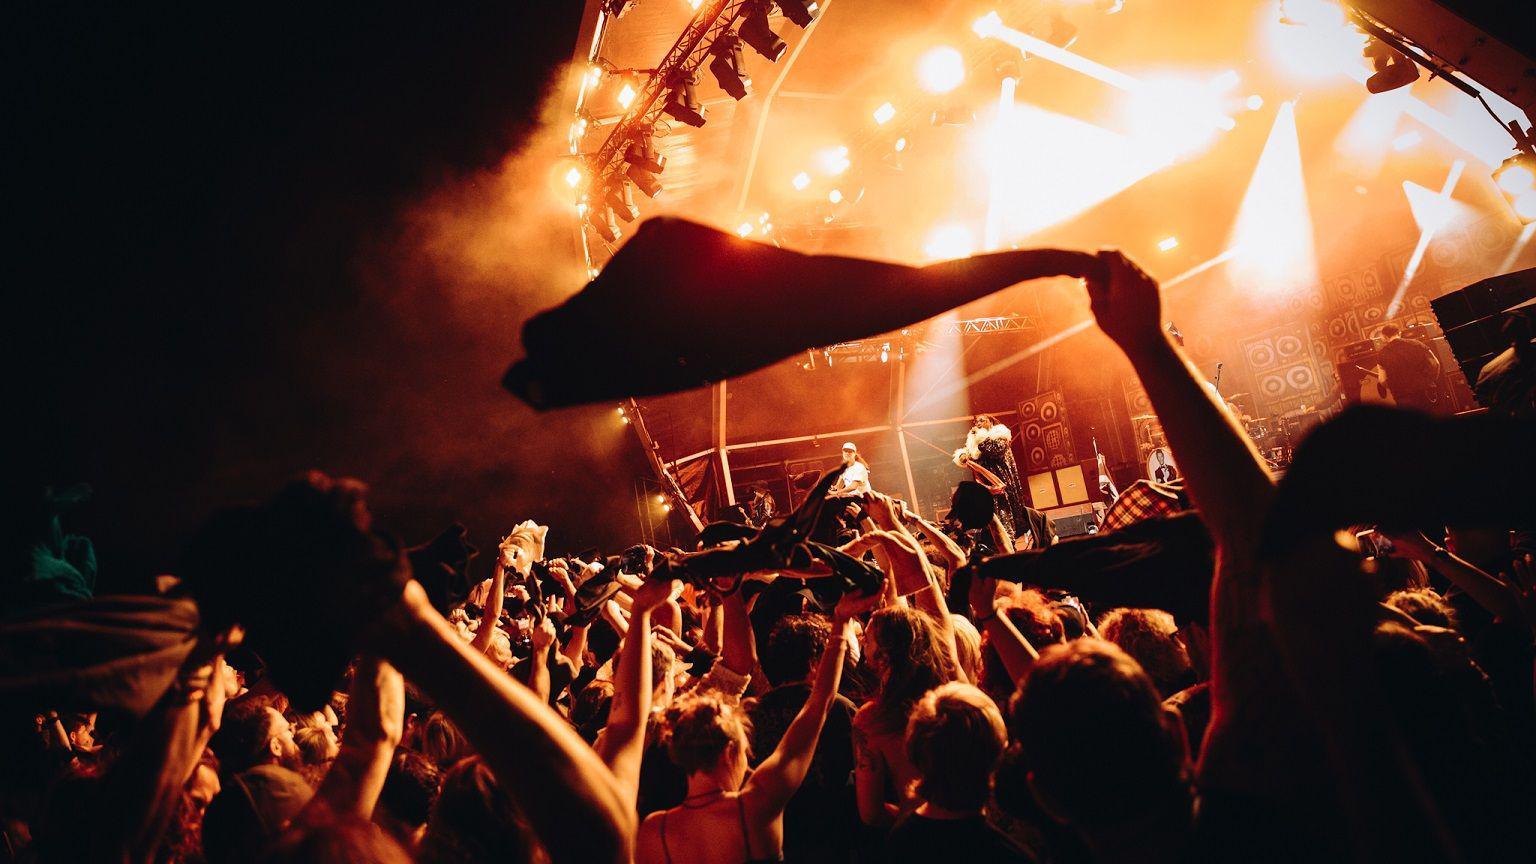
x=848, y=445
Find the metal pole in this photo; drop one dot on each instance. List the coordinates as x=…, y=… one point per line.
x=720, y=446
x=901, y=438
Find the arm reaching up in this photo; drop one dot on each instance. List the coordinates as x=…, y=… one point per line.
x=375, y=724
x=623, y=741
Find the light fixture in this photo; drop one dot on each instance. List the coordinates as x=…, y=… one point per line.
x=801, y=181
x=901, y=144
x=617, y=8
x=661, y=499
x=573, y=177
x=801, y=12
x=1255, y=102
x=645, y=162
x=1392, y=67
x=744, y=229
x=835, y=196
x=1168, y=244
x=602, y=220
x=758, y=35
x=941, y=69
x=621, y=198
x=684, y=104
x=730, y=68
x=1516, y=179
x=626, y=95
x=884, y=113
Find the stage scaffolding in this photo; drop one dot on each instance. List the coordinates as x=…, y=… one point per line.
x=899, y=350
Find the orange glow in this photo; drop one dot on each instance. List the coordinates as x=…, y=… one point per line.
x=1273, y=232
x=941, y=70
x=950, y=241
x=1516, y=180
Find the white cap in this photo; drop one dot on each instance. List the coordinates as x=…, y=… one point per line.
x=848, y=445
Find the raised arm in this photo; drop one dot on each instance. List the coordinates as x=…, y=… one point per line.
x=1011, y=645
x=780, y=775
x=623, y=740
x=490, y=616
x=375, y=723
x=558, y=780
x=1224, y=474
x=1493, y=595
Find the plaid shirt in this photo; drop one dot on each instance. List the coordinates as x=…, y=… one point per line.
x=1144, y=500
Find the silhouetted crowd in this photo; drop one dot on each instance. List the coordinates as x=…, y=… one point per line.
x=1351, y=680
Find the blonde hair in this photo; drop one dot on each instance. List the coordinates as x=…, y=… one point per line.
x=955, y=738
x=698, y=728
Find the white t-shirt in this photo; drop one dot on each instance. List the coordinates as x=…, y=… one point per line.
x=855, y=478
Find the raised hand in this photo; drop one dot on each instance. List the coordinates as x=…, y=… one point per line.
x=851, y=606
x=542, y=636
x=653, y=593
x=1126, y=302
x=1522, y=580
x=376, y=706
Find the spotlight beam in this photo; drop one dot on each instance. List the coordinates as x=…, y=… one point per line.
x=1519, y=246
x=1426, y=234
x=1051, y=341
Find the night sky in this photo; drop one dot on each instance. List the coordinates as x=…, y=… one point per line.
x=229, y=265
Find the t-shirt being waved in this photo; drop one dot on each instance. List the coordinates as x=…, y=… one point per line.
x=923, y=840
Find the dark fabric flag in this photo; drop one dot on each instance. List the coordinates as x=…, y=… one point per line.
x=682, y=305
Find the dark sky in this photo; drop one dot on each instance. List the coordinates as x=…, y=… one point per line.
x=230, y=267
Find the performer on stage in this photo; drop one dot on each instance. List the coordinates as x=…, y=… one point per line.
x=988, y=454
x=855, y=479
x=1412, y=370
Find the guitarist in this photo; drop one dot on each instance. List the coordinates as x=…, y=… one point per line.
x=1412, y=370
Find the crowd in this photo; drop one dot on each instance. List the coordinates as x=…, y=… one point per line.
x=307, y=690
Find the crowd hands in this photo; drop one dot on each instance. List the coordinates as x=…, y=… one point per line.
x=725, y=704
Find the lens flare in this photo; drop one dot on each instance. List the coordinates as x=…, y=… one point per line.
x=941, y=69
x=949, y=241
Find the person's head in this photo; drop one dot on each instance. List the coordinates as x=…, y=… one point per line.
x=955, y=737
x=252, y=808
x=1150, y=636
x=850, y=453
x=442, y=742
x=794, y=645
x=663, y=667
x=708, y=733
x=1094, y=743
x=984, y=421
x=905, y=650
x=476, y=819
x=1391, y=331
x=254, y=733
x=410, y=790
x=1035, y=616
x=1424, y=605
x=317, y=744
x=967, y=645
x=336, y=838
x=203, y=786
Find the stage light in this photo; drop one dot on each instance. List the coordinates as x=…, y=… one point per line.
x=1273, y=231
x=801, y=12
x=1407, y=140
x=621, y=410
x=593, y=77
x=666, y=508
x=573, y=177
x=579, y=128
x=1168, y=244
x=607, y=227
x=950, y=241
x=695, y=4
x=661, y=499
x=1432, y=211
x=1313, y=40
x=941, y=70
x=624, y=420
x=833, y=160
x=744, y=229
x=621, y=197
x=885, y=353
x=801, y=181
x=758, y=35
x=1525, y=207
x=1393, y=68
x=1255, y=102
x=901, y=144
x=884, y=113
x=626, y=96
x=835, y=196
x=988, y=25
x=617, y=8
x=1225, y=81
x=1175, y=118
x=1515, y=176
x=729, y=67
x=684, y=104
x=645, y=162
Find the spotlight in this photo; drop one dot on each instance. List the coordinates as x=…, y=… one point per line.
x=573, y=177
x=901, y=144
x=644, y=164
x=627, y=95
x=666, y=508
x=1255, y=102
x=835, y=196
x=1393, y=68
x=757, y=34
x=684, y=104
x=885, y=353
x=941, y=70
x=621, y=197
x=884, y=113
x=744, y=229
x=1516, y=178
x=661, y=499
x=1168, y=244
x=801, y=12
x=801, y=181
x=617, y=8
x=729, y=67
x=601, y=219
x=621, y=410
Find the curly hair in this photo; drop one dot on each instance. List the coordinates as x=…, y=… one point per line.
x=698, y=728
x=955, y=738
x=915, y=660
x=1148, y=635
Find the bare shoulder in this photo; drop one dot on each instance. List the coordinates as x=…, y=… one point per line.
x=648, y=839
